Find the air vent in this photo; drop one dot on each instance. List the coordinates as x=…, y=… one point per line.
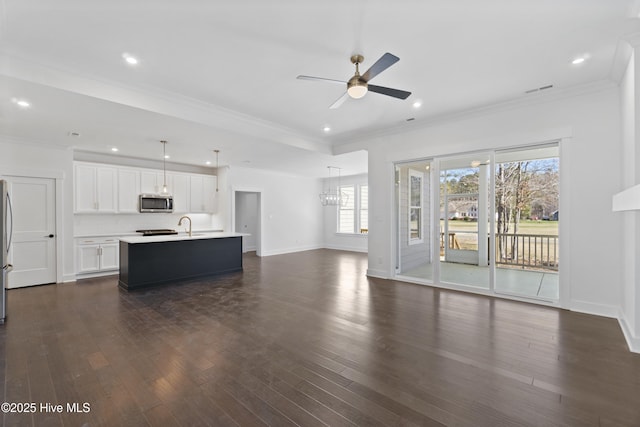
x=538, y=89
x=410, y=119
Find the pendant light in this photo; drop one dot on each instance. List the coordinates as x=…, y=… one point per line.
x=333, y=197
x=165, y=190
x=217, y=152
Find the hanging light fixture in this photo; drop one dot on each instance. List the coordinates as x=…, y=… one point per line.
x=333, y=197
x=217, y=174
x=165, y=190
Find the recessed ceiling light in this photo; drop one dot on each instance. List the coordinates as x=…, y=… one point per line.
x=417, y=104
x=114, y=149
x=21, y=102
x=580, y=59
x=326, y=129
x=129, y=59
x=207, y=162
x=166, y=156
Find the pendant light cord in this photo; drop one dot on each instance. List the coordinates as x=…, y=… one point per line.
x=217, y=168
x=164, y=166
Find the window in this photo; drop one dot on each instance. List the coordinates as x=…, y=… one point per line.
x=364, y=209
x=353, y=217
x=346, y=213
x=415, y=206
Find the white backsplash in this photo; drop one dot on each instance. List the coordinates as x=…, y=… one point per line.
x=100, y=224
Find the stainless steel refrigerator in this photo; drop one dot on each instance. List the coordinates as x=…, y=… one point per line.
x=6, y=231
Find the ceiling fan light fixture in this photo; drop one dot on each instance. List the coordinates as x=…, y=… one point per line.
x=357, y=88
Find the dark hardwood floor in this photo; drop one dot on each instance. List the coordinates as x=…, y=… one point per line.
x=307, y=339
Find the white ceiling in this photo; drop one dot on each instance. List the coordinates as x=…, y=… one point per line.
x=222, y=75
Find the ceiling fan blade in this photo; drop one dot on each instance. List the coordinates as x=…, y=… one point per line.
x=396, y=93
x=320, y=79
x=339, y=101
x=385, y=61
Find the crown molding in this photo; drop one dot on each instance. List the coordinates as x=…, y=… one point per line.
x=156, y=100
x=357, y=140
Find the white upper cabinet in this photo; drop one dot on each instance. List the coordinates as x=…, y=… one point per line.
x=180, y=191
x=203, y=193
x=128, y=190
x=151, y=182
x=116, y=189
x=95, y=188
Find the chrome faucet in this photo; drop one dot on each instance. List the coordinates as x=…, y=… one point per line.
x=180, y=223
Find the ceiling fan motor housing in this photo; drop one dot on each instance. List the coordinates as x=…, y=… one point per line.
x=357, y=86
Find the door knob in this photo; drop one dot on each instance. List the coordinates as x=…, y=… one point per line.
x=49, y=236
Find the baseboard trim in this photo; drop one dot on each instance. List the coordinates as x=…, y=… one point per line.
x=291, y=250
x=633, y=342
x=603, y=310
x=96, y=274
x=380, y=274
x=347, y=248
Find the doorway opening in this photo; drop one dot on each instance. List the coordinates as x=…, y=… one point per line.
x=247, y=208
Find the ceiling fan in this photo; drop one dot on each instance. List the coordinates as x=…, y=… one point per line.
x=358, y=85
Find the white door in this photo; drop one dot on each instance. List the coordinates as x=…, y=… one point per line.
x=33, y=249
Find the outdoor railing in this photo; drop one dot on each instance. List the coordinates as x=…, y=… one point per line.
x=527, y=250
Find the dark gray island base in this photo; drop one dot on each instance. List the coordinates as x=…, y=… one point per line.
x=147, y=262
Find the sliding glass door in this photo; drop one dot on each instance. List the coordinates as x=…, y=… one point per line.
x=486, y=220
x=527, y=222
x=464, y=256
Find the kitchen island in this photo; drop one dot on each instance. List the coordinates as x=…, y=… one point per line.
x=147, y=261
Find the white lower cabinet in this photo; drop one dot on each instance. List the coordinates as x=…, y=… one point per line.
x=97, y=255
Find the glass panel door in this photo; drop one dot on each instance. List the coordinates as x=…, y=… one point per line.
x=526, y=240
x=414, y=220
x=464, y=256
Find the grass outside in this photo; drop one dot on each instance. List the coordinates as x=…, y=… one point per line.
x=525, y=227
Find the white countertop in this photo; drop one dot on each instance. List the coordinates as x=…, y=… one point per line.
x=181, y=236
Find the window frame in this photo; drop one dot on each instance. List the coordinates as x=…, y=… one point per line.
x=357, y=205
x=410, y=207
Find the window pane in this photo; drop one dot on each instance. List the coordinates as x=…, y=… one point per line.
x=364, y=209
x=346, y=221
x=416, y=186
x=415, y=206
x=346, y=213
x=349, y=192
x=414, y=223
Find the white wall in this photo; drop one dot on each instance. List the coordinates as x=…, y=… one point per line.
x=23, y=159
x=630, y=306
x=332, y=239
x=588, y=125
x=291, y=217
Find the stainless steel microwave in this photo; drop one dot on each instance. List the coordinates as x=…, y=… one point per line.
x=156, y=203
